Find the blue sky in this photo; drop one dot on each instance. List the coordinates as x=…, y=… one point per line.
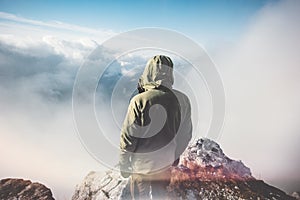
x=224, y=20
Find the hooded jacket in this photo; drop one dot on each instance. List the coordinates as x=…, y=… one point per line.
x=157, y=127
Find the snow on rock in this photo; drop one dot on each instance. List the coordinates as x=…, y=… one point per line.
x=204, y=172
x=207, y=154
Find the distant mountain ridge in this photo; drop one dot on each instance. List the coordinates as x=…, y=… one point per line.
x=204, y=172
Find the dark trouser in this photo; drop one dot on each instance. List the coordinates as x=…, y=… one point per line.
x=140, y=185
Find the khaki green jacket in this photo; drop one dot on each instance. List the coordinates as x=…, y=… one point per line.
x=157, y=127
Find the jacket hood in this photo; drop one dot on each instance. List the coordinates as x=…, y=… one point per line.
x=158, y=72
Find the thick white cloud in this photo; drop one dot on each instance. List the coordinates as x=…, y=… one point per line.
x=261, y=78
x=37, y=69
x=38, y=64
x=37, y=77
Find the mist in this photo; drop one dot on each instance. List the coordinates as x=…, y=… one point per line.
x=261, y=79
x=260, y=72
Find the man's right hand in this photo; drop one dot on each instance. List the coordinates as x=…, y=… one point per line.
x=175, y=163
x=125, y=171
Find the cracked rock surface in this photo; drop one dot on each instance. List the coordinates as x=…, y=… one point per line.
x=15, y=189
x=204, y=172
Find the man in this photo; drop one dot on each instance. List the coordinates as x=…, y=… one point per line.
x=156, y=130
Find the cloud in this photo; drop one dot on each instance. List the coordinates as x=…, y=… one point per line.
x=37, y=73
x=54, y=25
x=261, y=78
x=37, y=76
x=38, y=65
x=39, y=69
x=41, y=58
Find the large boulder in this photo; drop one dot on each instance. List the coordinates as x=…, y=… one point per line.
x=13, y=189
x=204, y=172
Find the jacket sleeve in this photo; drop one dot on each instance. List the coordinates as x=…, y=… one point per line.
x=187, y=121
x=185, y=129
x=128, y=142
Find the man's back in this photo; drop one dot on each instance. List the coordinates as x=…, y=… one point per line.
x=153, y=121
x=156, y=129
x=157, y=102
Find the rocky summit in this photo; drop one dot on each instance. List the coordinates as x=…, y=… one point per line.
x=15, y=189
x=204, y=172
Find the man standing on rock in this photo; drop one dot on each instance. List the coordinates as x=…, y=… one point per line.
x=156, y=130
